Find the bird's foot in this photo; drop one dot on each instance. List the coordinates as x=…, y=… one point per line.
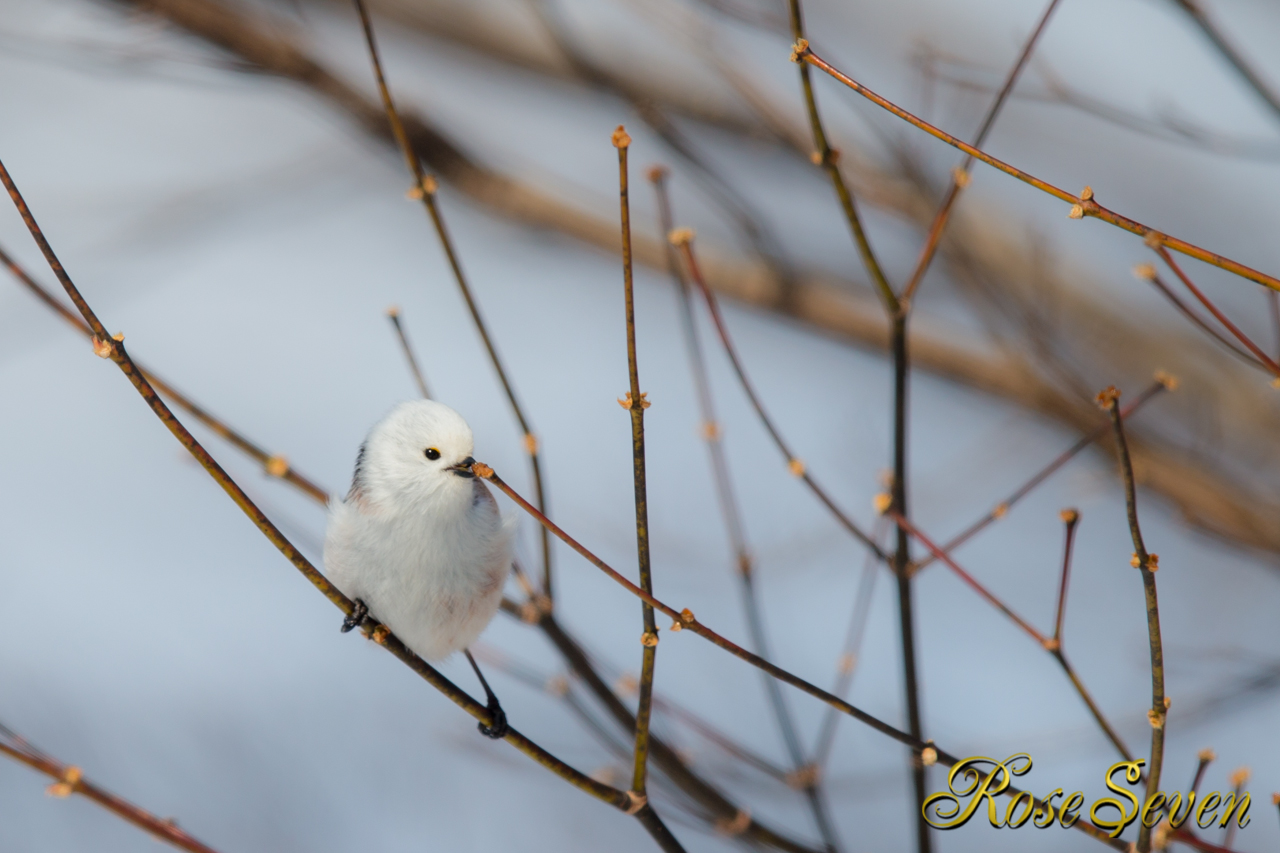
x=357, y=617
x=499, y=729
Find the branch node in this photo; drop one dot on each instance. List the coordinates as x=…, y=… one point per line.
x=627, y=403
x=530, y=444
x=649, y=639
x=1052, y=644
x=1069, y=516
x=656, y=174
x=882, y=501
x=101, y=348
x=804, y=778
x=1000, y=510
x=799, y=50
x=929, y=755
x=710, y=431
x=796, y=467
x=1146, y=272
x=621, y=140
x=961, y=177
x=1107, y=396
x=738, y=825
x=1086, y=194
x=635, y=802
x=680, y=236
x=1076, y=212
x=557, y=685
x=69, y=782
x=276, y=466
x=1206, y=755
x=848, y=662
x=482, y=471
x=1153, y=239
x=1155, y=718
x=1168, y=380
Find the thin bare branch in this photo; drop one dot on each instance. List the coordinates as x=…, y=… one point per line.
x=1270, y=365
x=424, y=188
x=635, y=404
x=1146, y=563
x=828, y=158
x=274, y=464
x=1001, y=509
x=683, y=239
x=711, y=434
x=393, y=314
x=960, y=177
x=1081, y=206
x=69, y=779
x=1148, y=272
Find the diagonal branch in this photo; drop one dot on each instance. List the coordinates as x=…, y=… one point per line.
x=68, y=779
x=1081, y=206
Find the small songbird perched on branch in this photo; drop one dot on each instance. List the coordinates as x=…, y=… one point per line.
x=418, y=542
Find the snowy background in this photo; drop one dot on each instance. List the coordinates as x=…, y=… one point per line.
x=248, y=240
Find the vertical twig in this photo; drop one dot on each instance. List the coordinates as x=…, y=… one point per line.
x=1070, y=518
x=1239, y=777
x=1146, y=563
x=635, y=403
x=960, y=176
x=802, y=771
x=424, y=188
x=901, y=569
x=393, y=314
x=829, y=159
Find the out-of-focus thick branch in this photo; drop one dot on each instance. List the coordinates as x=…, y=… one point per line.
x=976, y=252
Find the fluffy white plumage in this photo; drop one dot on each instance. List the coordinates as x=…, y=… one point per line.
x=419, y=539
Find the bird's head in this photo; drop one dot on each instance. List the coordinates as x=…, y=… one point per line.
x=419, y=449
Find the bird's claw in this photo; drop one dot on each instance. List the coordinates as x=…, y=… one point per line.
x=357, y=617
x=499, y=729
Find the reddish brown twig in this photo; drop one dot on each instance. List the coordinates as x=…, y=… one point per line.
x=69, y=780
x=1070, y=518
x=1081, y=206
x=683, y=239
x=960, y=176
x=968, y=579
x=734, y=527
x=1214, y=310
x=1147, y=272
x=1001, y=509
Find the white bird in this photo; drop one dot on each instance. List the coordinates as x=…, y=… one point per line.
x=418, y=542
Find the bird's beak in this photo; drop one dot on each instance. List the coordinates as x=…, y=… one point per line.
x=463, y=468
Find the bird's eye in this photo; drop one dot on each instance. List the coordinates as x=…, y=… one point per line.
x=432, y=453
